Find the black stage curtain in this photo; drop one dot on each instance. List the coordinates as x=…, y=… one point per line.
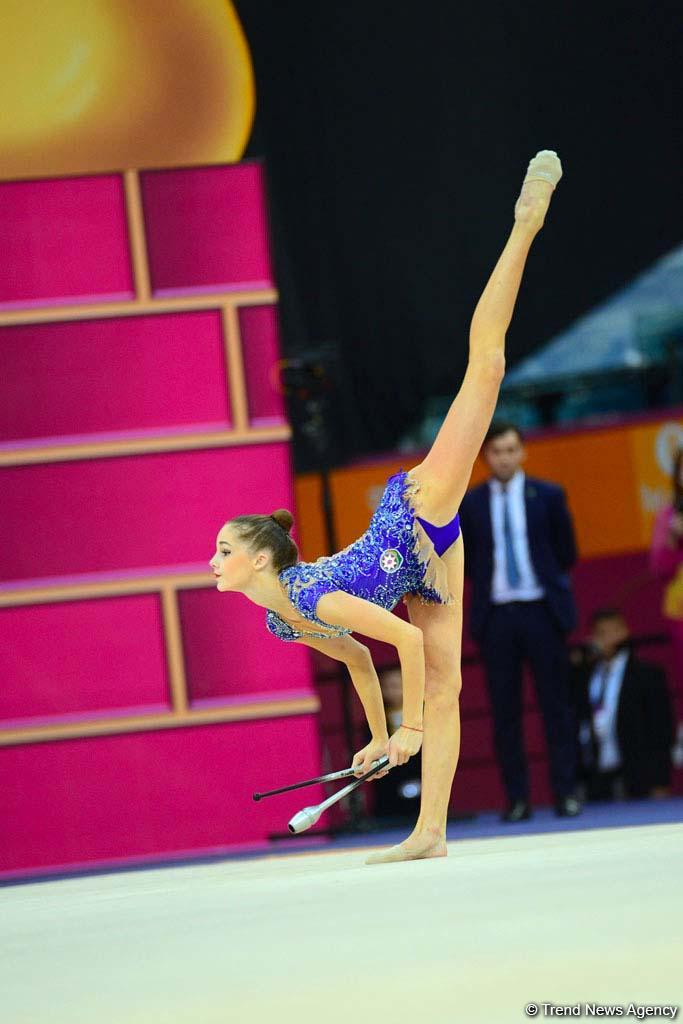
x=396, y=137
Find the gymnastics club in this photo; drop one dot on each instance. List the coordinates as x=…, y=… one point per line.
x=332, y=777
x=309, y=815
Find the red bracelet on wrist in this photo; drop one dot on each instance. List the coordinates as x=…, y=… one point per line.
x=411, y=727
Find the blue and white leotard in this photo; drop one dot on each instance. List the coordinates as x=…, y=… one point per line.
x=398, y=554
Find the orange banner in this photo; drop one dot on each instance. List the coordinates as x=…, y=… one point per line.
x=616, y=480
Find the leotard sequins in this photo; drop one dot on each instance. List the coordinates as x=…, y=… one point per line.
x=395, y=556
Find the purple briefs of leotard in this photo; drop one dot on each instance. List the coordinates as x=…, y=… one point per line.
x=441, y=536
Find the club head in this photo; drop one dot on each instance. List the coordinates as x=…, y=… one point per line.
x=304, y=819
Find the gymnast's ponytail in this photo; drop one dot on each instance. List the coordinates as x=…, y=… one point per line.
x=269, y=533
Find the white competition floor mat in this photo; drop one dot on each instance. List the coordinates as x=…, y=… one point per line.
x=578, y=917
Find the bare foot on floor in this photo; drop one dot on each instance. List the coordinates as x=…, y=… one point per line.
x=543, y=174
x=420, y=846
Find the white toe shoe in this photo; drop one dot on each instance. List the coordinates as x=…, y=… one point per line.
x=545, y=166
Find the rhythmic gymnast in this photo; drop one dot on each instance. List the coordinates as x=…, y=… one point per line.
x=412, y=549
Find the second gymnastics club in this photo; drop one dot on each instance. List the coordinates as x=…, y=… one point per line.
x=309, y=815
x=331, y=777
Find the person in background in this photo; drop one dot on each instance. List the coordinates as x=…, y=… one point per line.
x=520, y=543
x=625, y=721
x=666, y=561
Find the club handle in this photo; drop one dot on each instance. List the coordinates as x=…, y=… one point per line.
x=330, y=777
x=377, y=766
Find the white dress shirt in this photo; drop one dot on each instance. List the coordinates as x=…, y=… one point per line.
x=605, y=717
x=528, y=588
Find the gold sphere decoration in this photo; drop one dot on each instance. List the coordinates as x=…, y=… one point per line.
x=107, y=85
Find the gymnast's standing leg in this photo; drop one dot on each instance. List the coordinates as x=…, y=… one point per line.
x=443, y=477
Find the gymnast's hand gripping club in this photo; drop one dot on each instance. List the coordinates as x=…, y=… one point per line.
x=331, y=777
x=309, y=815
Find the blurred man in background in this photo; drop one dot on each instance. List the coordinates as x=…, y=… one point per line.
x=519, y=544
x=626, y=727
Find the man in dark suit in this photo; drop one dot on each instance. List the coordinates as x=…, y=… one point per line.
x=624, y=713
x=519, y=544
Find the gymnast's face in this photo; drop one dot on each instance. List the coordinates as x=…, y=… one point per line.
x=234, y=565
x=504, y=455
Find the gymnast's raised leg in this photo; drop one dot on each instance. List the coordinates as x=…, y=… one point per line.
x=443, y=477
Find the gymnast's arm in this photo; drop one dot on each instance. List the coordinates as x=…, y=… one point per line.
x=370, y=619
x=358, y=661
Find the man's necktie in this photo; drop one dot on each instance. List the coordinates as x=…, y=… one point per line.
x=511, y=566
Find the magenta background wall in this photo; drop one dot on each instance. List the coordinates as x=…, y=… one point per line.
x=207, y=229
x=76, y=657
x=153, y=371
x=261, y=341
x=137, y=511
x=169, y=792
x=230, y=654
x=64, y=241
x=132, y=373
x=66, y=660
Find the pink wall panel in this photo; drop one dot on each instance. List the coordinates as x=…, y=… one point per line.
x=541, y=793
x=476, y=788
x=127, y=374
x=330, y=693
x=622, y=580
x=534, y=734
x=64, y=240
x=229, y=652
x=103, y=515
x=474, y=696
x=206, y=229
x=116, y=797
x=477, y=739
x=261, y=352
x=476, y=742
x=81, y=656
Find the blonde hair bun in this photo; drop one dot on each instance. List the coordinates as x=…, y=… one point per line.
x=283, y=518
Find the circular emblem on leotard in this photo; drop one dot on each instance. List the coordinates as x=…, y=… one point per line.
x=390, y=560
